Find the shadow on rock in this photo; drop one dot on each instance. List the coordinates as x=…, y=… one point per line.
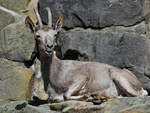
x=21, y=106
x=36, y=101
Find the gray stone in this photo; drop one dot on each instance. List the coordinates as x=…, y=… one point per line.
x=23, y=107
x=94, y=13
x=16, y=42
x=116, y=105
x=65, y=107
x=5, y=19
x=76, y=107
x=14, y=4
x=146, y=8
x=38, y=86
x=15, y=82
x=116, y=46
x=128, y=105
x=18, y=9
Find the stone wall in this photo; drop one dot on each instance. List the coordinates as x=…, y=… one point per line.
x=17, y=47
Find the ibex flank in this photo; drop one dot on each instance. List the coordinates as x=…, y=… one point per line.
x=68, y=79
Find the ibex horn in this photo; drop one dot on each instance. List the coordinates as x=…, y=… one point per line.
x=49, y=16
x=38, y=17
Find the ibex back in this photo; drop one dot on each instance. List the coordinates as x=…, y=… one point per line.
x=68, y=79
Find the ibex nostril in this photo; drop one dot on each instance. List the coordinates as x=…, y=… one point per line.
x=49, y=46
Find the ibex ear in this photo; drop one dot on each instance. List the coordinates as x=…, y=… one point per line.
x=29, y=23
x=59, y=23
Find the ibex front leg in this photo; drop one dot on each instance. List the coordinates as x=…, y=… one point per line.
x=74, y=89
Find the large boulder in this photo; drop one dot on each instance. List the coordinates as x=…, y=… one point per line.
x=94, y=13
x=30, y=12
x=23, y=107
x=5, y=19
x=146, y=10
x=77, y=107
x=16, y=42
x=128, y=105
x=65, y=107
x=38, y=86
x=16, y=5
x=118, y=46
x=22, y=7
x=122, y=105
x=15, y=81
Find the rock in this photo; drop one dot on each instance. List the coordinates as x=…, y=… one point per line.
x=5, y=19
x=22, y=8
x=80, y=41
x=128, y=105
x=146, y=11
x=116, y=105
x=30, y=11
x=118, y=46
x=21, y=64
x=16, y=42
x=146, y=8
x=15, y=82
x=23, y=107
x=65, y=107
x=38, y=86
x=95, y=14
x=15, y=5
x=76, y=107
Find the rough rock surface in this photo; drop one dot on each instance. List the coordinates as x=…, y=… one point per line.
x=77, y=107
x=3, y=21
x=22, y=107
x=38, y=86
x=65, y=107
x=16, y=42
x=128, y=105
x=95, y=13
x=122, y=105
x=15, y=81
x=15, y=5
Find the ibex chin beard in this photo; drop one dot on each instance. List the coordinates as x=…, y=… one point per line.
x=49, y=49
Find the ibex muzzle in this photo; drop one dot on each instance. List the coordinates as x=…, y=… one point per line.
x=68, y=79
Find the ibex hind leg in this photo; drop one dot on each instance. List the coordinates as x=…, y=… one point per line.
x=74, y=90
x=127, y=83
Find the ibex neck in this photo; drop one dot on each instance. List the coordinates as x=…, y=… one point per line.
x=47, y=60
x=48, y=67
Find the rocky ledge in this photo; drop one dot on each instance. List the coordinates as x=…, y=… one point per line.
x=118, y=105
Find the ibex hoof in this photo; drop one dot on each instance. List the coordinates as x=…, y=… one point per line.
x=53, y=100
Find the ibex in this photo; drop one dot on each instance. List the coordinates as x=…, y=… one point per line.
x=68, y=79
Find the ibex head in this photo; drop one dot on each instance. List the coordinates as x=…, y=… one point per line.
x=45, y=34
